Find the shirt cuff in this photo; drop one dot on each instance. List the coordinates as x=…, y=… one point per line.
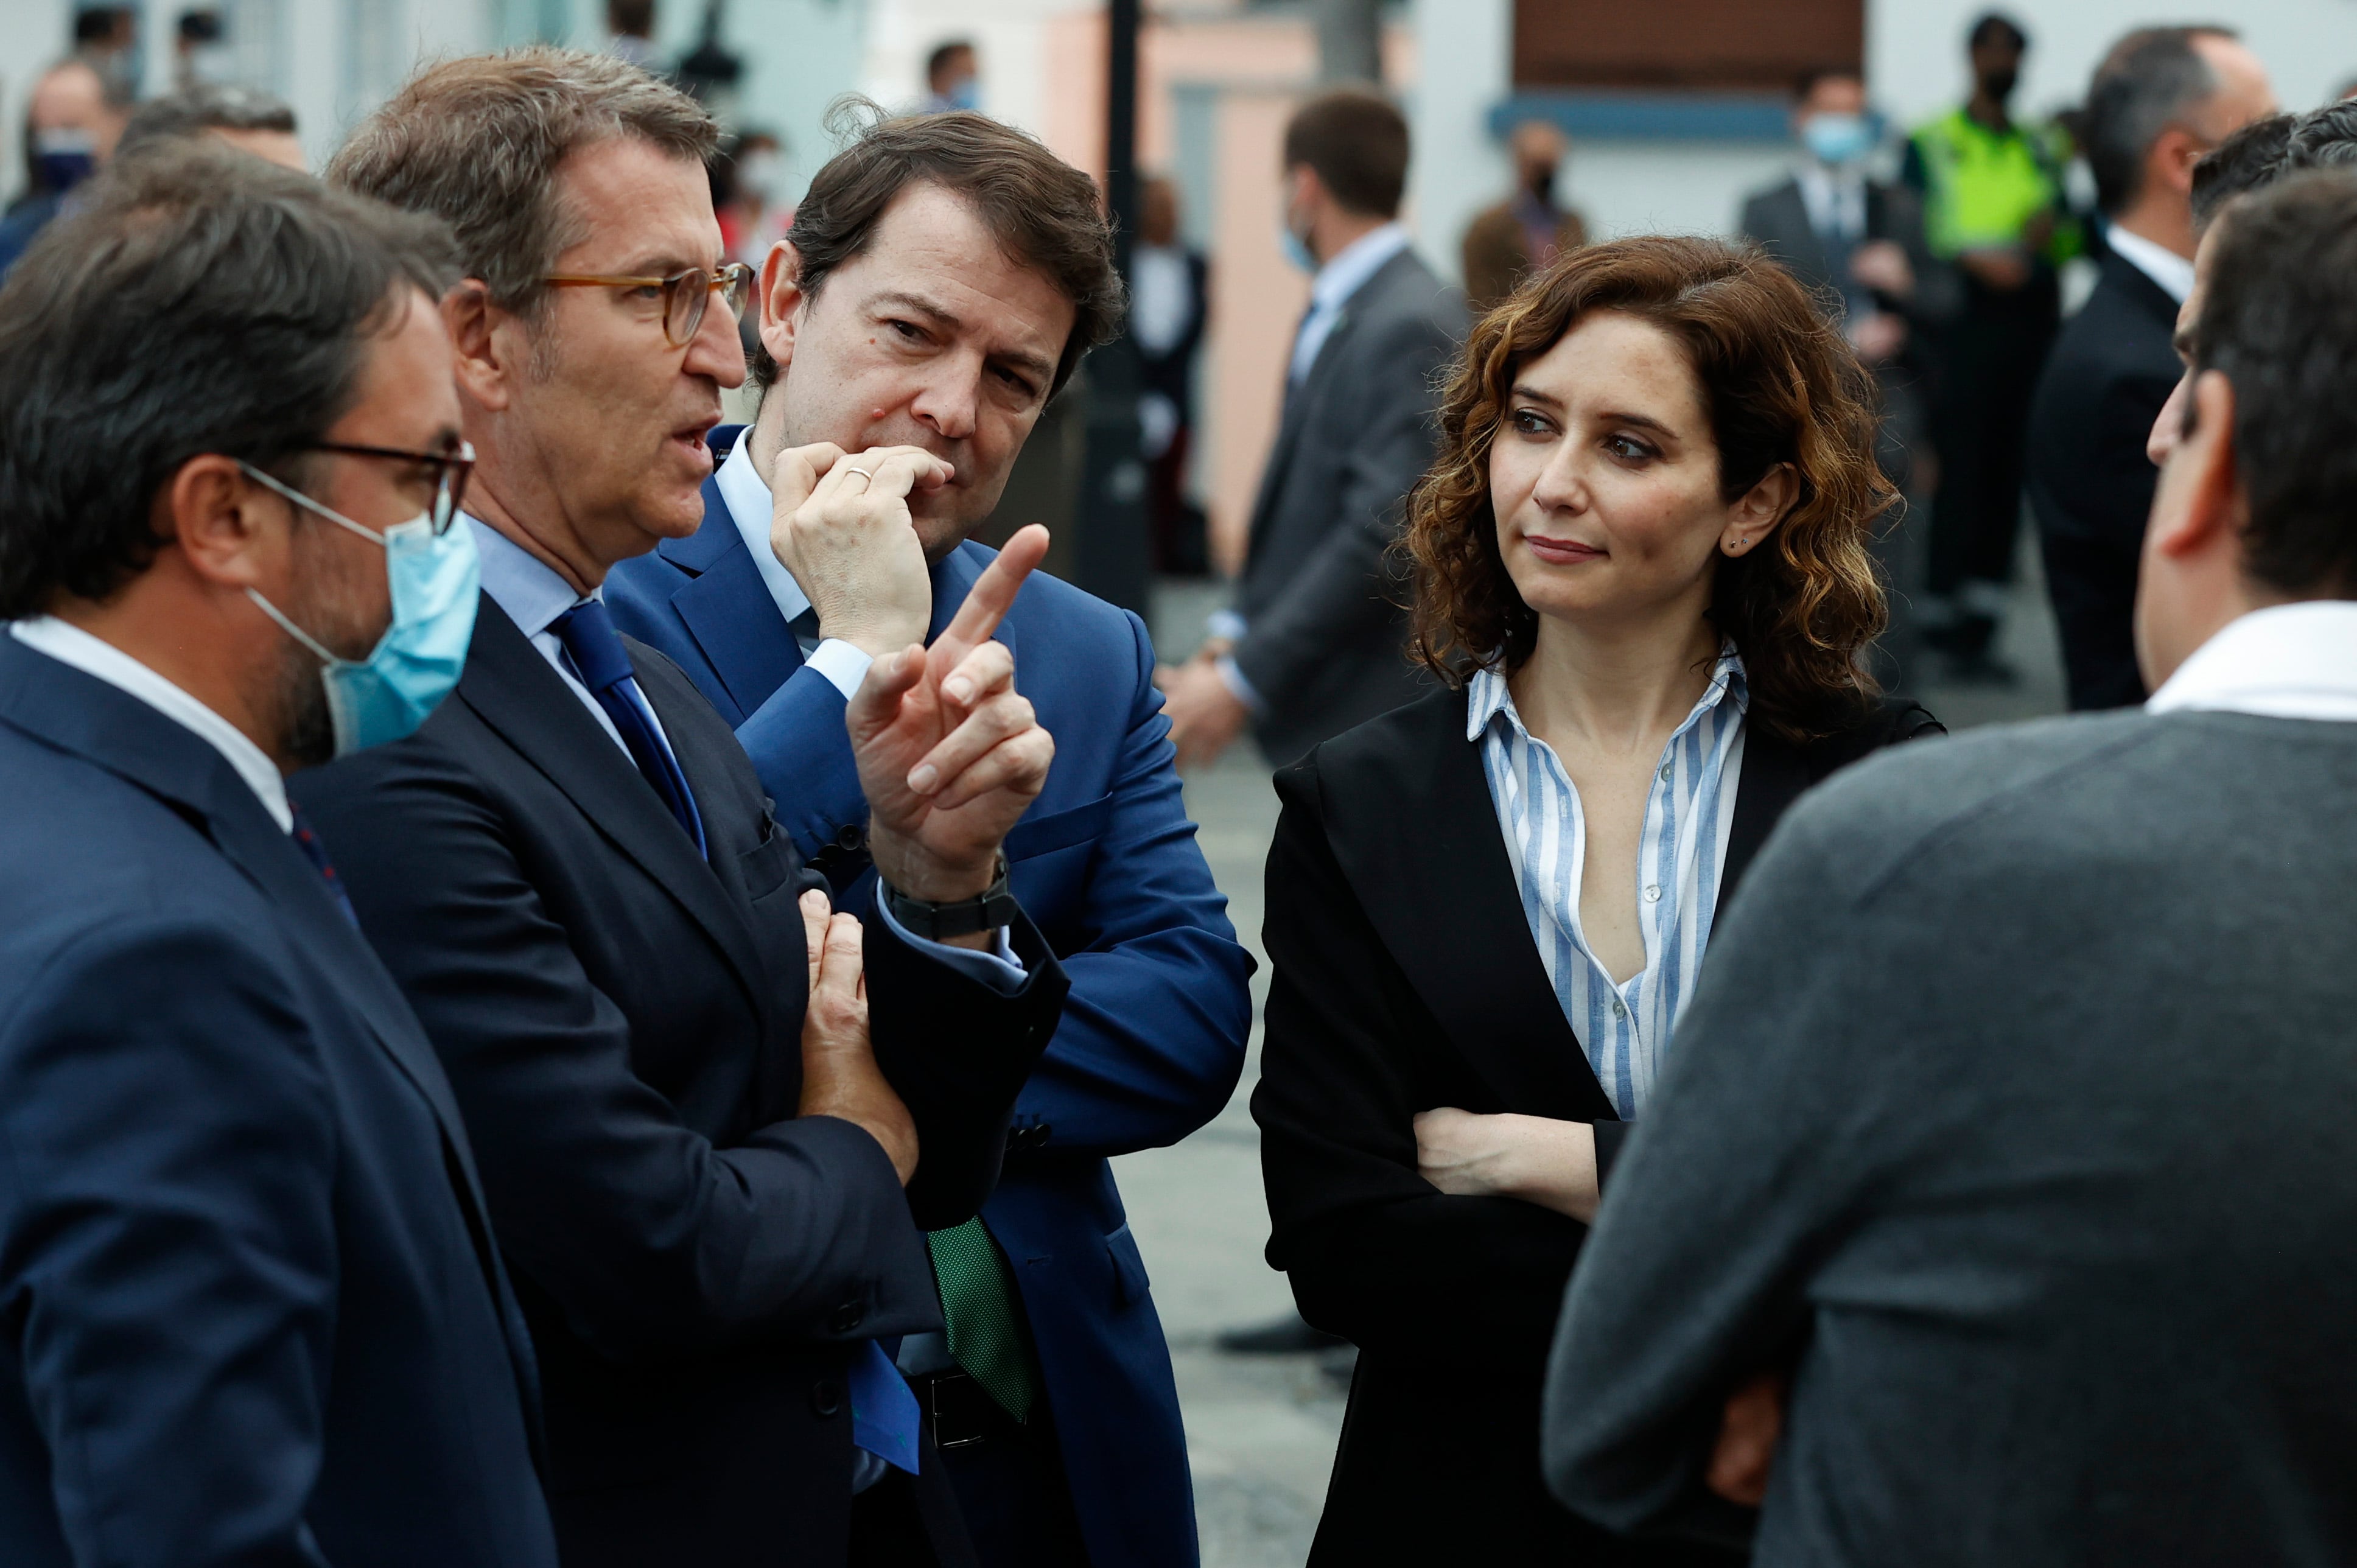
x=1232, y=675
x=998, y=967
x=1224, y=623
x=842, y=664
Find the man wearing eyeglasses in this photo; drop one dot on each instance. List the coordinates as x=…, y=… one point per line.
x=249, y=1313
x=660, y=1035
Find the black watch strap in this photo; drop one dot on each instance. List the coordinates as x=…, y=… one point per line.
x=938, y=922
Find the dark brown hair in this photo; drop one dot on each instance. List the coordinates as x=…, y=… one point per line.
x=1781, y=387
x=477, y=141
x=1356, y=143
x=1044, y=212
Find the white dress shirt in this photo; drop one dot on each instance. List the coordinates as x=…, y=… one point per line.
x=751, y=507
x=1345, y=274
x=2290, y=661
x=1624, y=1026
x=1834, y=199
x=68, y=644
x=2163, y=267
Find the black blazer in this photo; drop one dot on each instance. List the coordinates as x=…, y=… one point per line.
x=1405, y=978
x=622, y=1024
x=2090, y=482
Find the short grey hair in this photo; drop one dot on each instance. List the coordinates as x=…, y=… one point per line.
x=2150, y=80
x=477, y=141
x=196, y=110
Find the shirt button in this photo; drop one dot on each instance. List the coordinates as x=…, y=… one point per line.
x=1653, y=894
x=1619, y=1009
x=1667, y=768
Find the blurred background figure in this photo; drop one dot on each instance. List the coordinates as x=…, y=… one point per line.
x=72, y=127
x=250, y=121
x=1170, y=305
x=2161, y=98
x=1857, y=243
x=631, y=29
x=748, y=183
x=1312, y=646
x=953, y=77
x=106, y=40
x=1993, y=203
x=1526, y=230
x=199, y=51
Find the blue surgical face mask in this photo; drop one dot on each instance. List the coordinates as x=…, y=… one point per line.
x=1294, y=248
x=65, y=157
x=419, y=659
x=1837, y=139
x=965, y=93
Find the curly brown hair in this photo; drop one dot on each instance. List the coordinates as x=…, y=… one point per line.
x=1781, y=386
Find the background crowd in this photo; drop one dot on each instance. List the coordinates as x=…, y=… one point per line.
x=1574, y=561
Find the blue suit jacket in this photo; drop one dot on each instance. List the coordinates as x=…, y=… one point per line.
x=1106, y=861
x=248, y=1309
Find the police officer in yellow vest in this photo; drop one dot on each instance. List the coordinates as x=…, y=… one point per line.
x=1993, y=203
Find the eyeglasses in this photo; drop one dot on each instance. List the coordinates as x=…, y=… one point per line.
x=685, y=295
x=452, y=467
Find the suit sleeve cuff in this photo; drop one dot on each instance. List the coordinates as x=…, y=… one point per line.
x=843, y=665
x=1232, y=675
x=998, y=967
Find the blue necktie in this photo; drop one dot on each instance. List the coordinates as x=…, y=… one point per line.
x=588, y=635
x=316, y=854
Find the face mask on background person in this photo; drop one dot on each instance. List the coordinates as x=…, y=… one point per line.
x=66, y=156
x=965, y=92
x=757, y=174
x=1293, y=242
x=1542, y=184
x=1837, y=139
x=417, y=662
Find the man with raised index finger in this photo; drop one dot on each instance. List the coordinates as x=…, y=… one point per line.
x=658, y=1034
x=944, y=274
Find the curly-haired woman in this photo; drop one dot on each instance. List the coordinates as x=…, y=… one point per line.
x=1643, y=580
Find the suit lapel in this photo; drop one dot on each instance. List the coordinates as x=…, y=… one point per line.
x=726, y=608
x=1774, y=775
x=1431, y=871
x=953, y=578
x=513, y=688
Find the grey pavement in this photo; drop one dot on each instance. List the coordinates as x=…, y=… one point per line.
x=1261, y=1430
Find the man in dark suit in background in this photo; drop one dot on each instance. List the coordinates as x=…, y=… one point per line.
x=944, y=276
x=252, y=1315
x=2070, y=1274
x=694, y=1158
x=1857, y=242
x=2162, y=98
x=1315, y=644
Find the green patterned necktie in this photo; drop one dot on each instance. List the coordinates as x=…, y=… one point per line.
x=984, y=1319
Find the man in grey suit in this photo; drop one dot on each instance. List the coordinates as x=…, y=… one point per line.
x=1857, y=243
x=2032, y=1182
x=1316, y=641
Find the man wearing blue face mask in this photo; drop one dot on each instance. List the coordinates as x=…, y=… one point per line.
x=1849, y=236
x=70, y=129
x=253, y=1314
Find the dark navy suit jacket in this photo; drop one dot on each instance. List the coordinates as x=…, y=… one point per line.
x=248, y=1310
x=1153, y=1032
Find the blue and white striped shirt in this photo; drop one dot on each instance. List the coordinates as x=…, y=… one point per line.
x=1624, y=1028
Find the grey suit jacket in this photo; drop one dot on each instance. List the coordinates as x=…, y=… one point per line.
x=1777, y=219
x=2012, y=1116
x=1326, y=631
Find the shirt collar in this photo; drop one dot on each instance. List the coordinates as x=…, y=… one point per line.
x=751, y=507
x=68, y=644
x=521, y=583
x=2163, y=267
x=2288, y=662
x=1354, y=263
x=1487, y=695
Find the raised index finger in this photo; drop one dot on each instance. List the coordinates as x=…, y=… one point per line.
x=993, y=594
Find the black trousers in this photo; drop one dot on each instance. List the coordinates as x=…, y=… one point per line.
x=1017, y=1502
x=1980, y=425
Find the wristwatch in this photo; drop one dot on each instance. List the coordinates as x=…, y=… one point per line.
x=995, y=907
